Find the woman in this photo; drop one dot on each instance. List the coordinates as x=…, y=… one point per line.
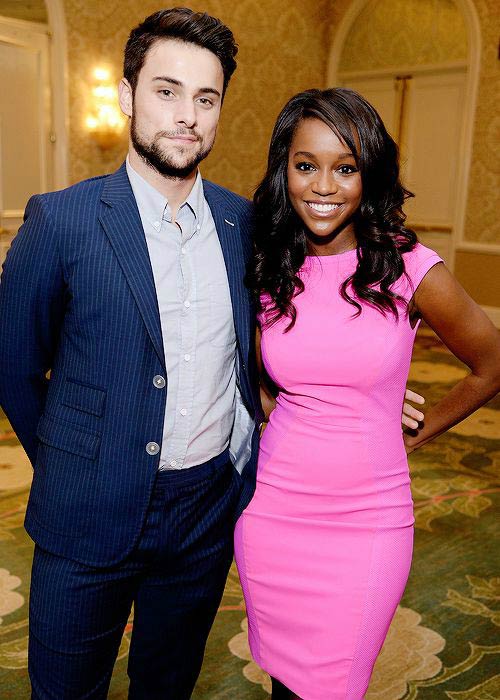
x=324, y=548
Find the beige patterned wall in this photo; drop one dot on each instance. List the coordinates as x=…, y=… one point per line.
x=31, y=10
x=483, y=201
x=282, y=50
x=391, y=33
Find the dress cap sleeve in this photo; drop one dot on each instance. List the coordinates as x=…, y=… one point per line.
x=418, y=262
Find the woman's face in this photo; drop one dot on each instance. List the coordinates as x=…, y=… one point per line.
x=324, y=186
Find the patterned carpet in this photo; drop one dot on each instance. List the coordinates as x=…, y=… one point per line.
x=444, y=642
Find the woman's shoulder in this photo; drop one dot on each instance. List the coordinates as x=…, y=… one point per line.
x=419, y=261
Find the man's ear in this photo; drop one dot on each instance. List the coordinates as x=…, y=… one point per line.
x=125, y=97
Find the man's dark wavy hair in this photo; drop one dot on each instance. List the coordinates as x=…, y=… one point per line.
x=181, y=24
x=280, y=237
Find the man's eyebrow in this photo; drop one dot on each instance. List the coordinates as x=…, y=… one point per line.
x=209, y=91
x=166, y=79
x=179, y=83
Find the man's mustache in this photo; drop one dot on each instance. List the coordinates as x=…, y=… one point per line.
x=178, y=132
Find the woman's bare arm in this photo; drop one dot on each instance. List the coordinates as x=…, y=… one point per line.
x=465, y=330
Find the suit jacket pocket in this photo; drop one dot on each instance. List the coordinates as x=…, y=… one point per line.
x=83, y=397
x=68, y=437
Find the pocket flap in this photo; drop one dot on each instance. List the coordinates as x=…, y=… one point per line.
x=83, y=397
x=67, y=437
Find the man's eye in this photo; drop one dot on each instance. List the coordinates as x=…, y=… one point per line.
x=206, y=101
x=166, y=92
x=304, y=167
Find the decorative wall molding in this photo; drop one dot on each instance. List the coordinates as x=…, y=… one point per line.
x=12, y=213
x=418, y=69
x=473, y=247
x=59, y=84
x=493, y=312
x=473, y=64
x=471, y=89
x=20, y=25
x=10, y=221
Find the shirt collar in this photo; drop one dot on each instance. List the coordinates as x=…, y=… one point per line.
x=154, y=206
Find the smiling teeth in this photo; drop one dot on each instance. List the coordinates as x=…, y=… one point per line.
x=322, y=207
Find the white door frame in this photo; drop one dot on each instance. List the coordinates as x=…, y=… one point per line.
x=469, y=14
x=59, y=86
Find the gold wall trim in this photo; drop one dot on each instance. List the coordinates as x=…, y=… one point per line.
x=479, y=248
x=12, y=214
x=404, y=69
x=431, y=228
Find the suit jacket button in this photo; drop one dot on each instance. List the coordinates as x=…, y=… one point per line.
x=152, y=448
x=159, y=381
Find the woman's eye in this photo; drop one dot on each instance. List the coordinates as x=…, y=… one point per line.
x=347, y=169
x=304, y=167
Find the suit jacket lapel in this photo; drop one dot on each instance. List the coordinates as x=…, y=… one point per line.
x=122, y=224
x=227, y=226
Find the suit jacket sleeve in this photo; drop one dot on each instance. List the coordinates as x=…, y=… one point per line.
x=31, y=310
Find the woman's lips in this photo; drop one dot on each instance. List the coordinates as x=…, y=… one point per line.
x=323, y=209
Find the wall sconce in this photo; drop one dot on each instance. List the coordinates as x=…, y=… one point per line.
x=105, y=121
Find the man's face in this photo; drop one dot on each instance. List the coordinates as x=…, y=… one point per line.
x=176, y=106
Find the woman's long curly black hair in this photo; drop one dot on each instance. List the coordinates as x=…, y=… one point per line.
x=280, y=235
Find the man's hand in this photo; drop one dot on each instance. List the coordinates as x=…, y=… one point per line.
x=411, y=416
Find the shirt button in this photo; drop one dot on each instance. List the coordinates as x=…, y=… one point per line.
x=157, y=225
x=173, y=463
x=187, y=304
x=183, y=411
x=152, y=448
x=159, y=381
x=183, y=251
x=198, y=227
x=187, y=357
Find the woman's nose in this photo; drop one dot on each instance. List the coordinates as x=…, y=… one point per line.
x=325, y=184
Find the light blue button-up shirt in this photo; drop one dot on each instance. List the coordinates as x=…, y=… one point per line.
x=197, y=325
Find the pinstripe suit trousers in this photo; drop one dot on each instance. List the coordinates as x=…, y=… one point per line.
x=175, y=578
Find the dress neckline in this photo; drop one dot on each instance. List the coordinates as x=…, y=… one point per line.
x=336, y=256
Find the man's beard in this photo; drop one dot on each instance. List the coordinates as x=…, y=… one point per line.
x=153, y=155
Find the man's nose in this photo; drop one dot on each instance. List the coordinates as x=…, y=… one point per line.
x=186, y=113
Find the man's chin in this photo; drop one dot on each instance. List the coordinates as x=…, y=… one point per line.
x=173, y=165
x=176, y=170
x=168, y=167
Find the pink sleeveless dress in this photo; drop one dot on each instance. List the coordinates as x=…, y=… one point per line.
x=324, y=548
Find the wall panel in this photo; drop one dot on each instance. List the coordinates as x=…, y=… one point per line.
x=283, y=50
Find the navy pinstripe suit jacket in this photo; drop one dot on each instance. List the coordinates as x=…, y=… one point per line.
x=78, y=298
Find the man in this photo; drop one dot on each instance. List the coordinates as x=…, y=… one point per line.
x=129, y=289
